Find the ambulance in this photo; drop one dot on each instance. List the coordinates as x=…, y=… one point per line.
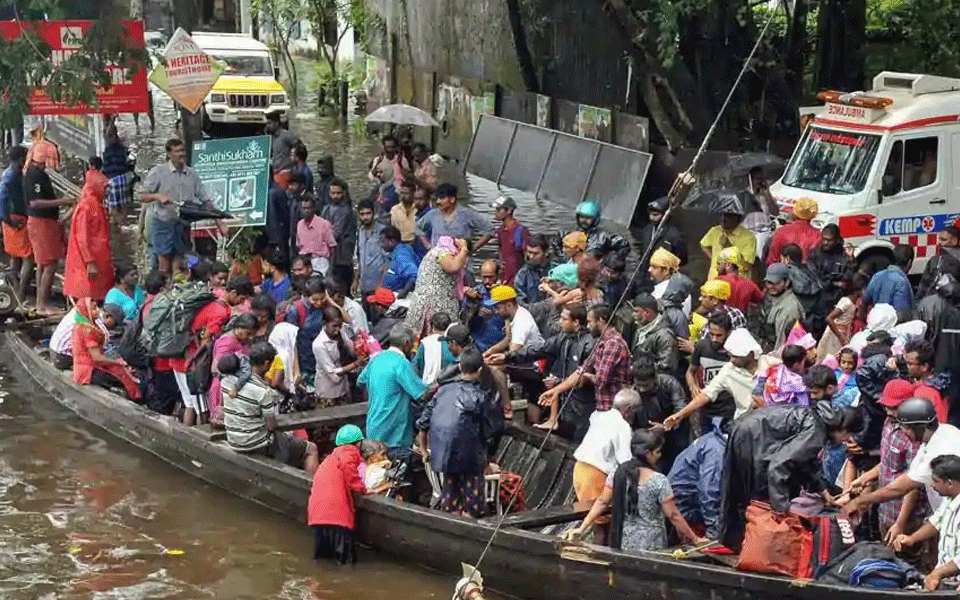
x=883, y=165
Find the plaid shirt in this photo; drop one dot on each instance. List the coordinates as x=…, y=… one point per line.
x=119, y=192
x=736, y=319
x=610, y=362
x=896, y=453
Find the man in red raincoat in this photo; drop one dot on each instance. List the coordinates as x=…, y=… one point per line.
x=89, y=269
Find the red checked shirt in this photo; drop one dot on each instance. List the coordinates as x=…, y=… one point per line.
x=896, y=454
x=610, y=363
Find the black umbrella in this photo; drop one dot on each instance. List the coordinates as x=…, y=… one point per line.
x=722, y=200
x=740, y=165
x=191, y=213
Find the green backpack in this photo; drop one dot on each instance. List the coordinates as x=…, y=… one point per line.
x=166, y=326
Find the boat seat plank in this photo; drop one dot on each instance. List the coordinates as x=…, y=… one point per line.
x=534, y=519
x=321, y=416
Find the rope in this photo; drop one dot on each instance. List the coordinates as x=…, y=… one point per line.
x=658, y=233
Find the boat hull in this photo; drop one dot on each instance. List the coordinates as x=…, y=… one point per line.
x=520, y=563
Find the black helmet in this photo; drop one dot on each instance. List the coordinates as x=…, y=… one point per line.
x=916, y=411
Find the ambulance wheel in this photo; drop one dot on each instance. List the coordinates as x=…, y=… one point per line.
x=8, y=301
x=875, y=261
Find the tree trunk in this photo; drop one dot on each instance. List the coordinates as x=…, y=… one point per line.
x=841, y=40
x=520, y=47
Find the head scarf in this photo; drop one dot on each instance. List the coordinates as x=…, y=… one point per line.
x=577, y=239
x=806, y=209
x=882, y=317
x=284, y=340
x=565, y=274
x=716, y=288
x=665, y=259
x=447, y=245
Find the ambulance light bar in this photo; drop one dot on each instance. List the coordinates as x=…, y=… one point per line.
x=855, y=99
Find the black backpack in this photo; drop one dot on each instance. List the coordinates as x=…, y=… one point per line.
x=833, y=535
x=130, y=346
x=839, y=570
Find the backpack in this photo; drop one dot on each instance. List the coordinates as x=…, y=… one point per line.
x=131, y=347
x=166, y=328
x=876, y=573
x=200, y=370
x=832, y=537
x=841, y=569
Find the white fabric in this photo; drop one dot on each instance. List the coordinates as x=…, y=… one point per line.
x=330, y=381
x=357, y=317
x=945, y=440
x=432, y=358
x=198, y=402
x=661, y=288
x=740, y=343
x=739, y=382
x=523, y=329
x=376, y=474
x=320, y=265
x=607, y=442
x=283, y=338
x=947, y=521
x=61, y=341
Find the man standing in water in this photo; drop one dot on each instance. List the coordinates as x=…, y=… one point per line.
x=44, y=228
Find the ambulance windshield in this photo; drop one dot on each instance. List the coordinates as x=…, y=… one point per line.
x=832, y=162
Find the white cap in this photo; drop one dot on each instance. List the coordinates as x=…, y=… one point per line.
x=740, y=343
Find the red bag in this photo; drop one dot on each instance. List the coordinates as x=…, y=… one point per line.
x=775, y=544
x=511, y=485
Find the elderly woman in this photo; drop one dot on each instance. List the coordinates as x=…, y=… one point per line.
x=439, y=283
x=90, y=364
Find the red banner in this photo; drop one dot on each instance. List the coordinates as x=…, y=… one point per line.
x=126, y=94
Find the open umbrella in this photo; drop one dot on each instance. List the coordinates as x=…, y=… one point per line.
x=402, y=114
x=192, y=212
x=720, y=200
x=740, y=165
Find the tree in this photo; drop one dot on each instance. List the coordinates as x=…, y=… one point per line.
x=26, y=62
x=282, y=18
x=330, y=21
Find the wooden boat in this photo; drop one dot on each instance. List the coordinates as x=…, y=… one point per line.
x=522, y=561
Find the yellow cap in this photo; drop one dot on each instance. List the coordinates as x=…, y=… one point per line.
x=716, y=288
x=502, y=293
x=729, y=255
x=577, y=239
x=665, y=259
x=806, y=209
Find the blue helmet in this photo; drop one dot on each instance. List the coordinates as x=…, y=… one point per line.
x=588, y=208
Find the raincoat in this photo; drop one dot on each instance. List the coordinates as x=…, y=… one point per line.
x=89, y=243
x=695, y=479
x=773, y=452
x=460, y=425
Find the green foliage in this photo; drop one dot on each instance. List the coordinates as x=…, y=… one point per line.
x=919, y=36
x=26, y=62
x=279, y=18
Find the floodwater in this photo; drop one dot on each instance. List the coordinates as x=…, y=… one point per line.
x=84, y=515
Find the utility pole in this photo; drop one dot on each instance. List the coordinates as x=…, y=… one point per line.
x=186, y=15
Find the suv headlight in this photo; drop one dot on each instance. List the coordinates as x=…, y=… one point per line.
x=218, y=98
x=278, y=99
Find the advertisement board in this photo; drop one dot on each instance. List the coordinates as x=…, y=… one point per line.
x=235, y=172
x=127, y=92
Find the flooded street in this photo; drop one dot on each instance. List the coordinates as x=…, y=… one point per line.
x=83, y=515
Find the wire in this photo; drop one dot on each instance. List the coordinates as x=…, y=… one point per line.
x=658, y=233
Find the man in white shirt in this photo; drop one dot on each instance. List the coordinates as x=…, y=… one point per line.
x=737, y=377
x=918, y=418
x=605, y=447
x=522, y=329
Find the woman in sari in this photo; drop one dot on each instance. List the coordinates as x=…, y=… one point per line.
x=89, y=268
x=90, y=364
x=236, y=341
x=439, y=283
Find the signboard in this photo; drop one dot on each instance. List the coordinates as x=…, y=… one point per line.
x=854, y=114
x=188, y=74
x=482, y=105
x=76, y=135
x=593, y=123
x=235, y=173
x=126, y=94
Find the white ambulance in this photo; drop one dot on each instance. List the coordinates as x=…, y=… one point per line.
x=883, y=165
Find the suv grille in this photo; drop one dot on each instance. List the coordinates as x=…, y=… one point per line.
x=248, y=100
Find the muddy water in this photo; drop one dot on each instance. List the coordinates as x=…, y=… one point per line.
x=83, y=515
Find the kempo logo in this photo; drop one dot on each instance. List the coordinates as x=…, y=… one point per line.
x=71, y=37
